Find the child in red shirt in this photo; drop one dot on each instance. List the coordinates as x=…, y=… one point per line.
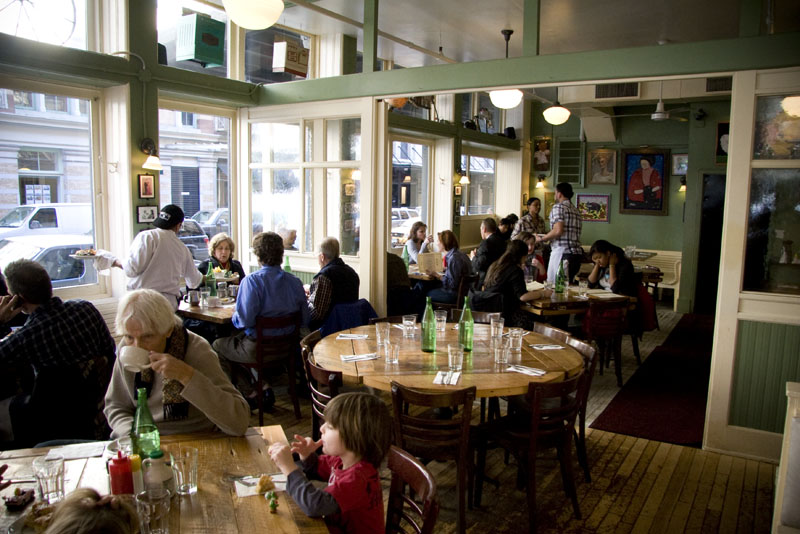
x=355, y=438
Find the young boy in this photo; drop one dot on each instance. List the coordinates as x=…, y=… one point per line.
x=355, y=438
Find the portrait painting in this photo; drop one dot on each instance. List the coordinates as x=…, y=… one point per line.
x=602, y=166
x=777, y=132
x=541, y=154
x=349, y=190
x=146, y=214
x=680, y=164
x=644, y=182
x=147, y=187
x=594, y=208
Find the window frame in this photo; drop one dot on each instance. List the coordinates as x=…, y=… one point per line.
x=430, y=205
x=480, y=153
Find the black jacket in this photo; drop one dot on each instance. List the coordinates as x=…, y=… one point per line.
x=488, y=252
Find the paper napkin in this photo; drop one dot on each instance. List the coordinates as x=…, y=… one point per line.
x=532, y=371
x=442, y=375
x=79, y=450
x=546, y=347
x=352, y=336
x=248, y=486
x=358, y=357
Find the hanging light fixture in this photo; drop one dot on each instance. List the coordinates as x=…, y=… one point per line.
x=506, y=98
x=252, y=15
x=556, y=114
x=148, y=146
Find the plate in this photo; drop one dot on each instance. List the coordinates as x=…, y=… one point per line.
x=227, y=300
x=82, y=257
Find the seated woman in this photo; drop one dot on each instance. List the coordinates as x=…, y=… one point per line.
x=506, y=277
x=612, y=270
x=504, y=228
x=221, y=249
x=458, y=265
x=534, y=263
x=417, y=242
x=187, y=390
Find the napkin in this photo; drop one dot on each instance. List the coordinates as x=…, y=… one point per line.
x=352, y=336
x=247, y=486
x=442, y=375
x=79, y=450
x=358, y=357
x=532, y=371
x=546, y=347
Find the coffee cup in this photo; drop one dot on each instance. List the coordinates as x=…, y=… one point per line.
x=192, y=297
x=213, y=302
x=134, y=359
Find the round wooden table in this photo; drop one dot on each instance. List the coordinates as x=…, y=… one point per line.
x=417, y=369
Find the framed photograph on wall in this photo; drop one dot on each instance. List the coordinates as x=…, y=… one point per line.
x=723, y=132
x=601, y=166
x=457, y=191
x=644, y=183
x=541, y=154
x=594, y=208
x=680, y=164
x=146, y=214
x=549, y=202
x=349, y=190
x=147, y=186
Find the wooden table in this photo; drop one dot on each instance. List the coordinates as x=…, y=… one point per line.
x=219, y=315
x=417, y=369
x=215, y=507
x=568, y=305
x=414, y=274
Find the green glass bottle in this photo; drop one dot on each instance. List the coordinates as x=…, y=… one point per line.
x=211, y=281
x=405, y=256
x=466, y=327
x=144, y=433
x=561, y=279
x=286, y=267
x=428, y=327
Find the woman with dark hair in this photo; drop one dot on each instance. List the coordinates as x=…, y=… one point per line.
x=534, y=263
x=458, y=265
x=506, y=277
x=417, y=242
x=612, y=270
x=504, y=228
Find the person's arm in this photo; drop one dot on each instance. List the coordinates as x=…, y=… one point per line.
x=555, y=231
x=313, y=501
x=481, y=259
x=10, y=307
x=191, y=274
x=626, y=282
x=319, y=298
x=612, y=270
x=141, y=252
x=594, y=276
x=248, y=304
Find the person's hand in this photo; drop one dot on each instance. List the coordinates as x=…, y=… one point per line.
x=10, y=307
x=171, y=367
x=546, y=293
x=3, y=485
x=472, y=254
x=613, y=259
x=282, y=456
x=429, y=238
x=117, y=264
x=305, y=446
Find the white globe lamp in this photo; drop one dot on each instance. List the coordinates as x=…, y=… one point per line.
x=253, y=15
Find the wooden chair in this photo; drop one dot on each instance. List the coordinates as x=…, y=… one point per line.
x=551, y=331
x=590, y=357
x=479, y=317
x=549, y=424
x=387, y=319
x=404, y=509
x=467, y=281
x=437, y=439
x=323, y=384
x=605, y=324
x=276, y=352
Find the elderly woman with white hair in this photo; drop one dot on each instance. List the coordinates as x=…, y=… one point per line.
x=187, y=390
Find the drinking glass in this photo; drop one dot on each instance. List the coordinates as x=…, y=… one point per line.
x=528, y=280
x=152, y=506
x=382, y=333
x=496, y=329
x=515, y=339
x=204, y=294
x=441, y=320
x=455, y=357
x=583, y=287
x=500, y=352
x=409, y=325
x=392, y=352
x=186, y=470
x=49, y=472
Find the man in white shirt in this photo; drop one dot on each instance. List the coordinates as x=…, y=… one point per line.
x=158, y=259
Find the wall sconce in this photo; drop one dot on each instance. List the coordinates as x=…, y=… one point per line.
x=148, y=146
x=464, y=179
x=407, y=179
x=682, y=188
x=540, y=183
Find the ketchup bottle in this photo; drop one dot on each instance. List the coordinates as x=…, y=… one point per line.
x=120, y=472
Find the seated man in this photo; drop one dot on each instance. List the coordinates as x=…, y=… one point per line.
x=56, y=335
x=268, y=292
x=187, y=390
x=491, y=248
x=334, y=283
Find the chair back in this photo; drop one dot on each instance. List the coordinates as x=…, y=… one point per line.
x=479, y=317
x=348, y=315
x=403, y=511
x=551, y=331
x=387, y=319
x=308, y=343
x=554, y=408
x=606, y=319
x=467, y=281
x=277, y=351
x=323, y=385
x=590, y=357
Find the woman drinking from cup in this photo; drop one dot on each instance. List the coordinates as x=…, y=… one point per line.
x=221, y=249
x=417, y=241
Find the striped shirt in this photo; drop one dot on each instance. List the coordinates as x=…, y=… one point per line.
x=570, y=238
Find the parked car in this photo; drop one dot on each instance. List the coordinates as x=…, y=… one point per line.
x=53, y=253
x=402, y=221
x=215, y=221
x=41, y=219
x=195, y=240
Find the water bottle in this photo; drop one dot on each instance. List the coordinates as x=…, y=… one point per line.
x=405, y=256
x=428, y=327
x=466, y=326
x=158, y=473
x=560, y=279
x=144, y=433
x=211, y=281
x=286, y=267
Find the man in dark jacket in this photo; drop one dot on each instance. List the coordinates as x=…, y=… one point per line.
x=490, y=249
x=335, y=282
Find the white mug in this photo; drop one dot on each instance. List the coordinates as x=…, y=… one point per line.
x=134, y=359
x=213, y=302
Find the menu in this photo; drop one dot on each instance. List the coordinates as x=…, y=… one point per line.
x=429, y=261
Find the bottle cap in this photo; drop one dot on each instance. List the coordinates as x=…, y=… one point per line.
x=136, y=462
x=158, y=453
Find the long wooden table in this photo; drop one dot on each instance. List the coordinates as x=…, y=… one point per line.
x=569, y=304
x=215, y=507
x=417, y=369
x=218, y=315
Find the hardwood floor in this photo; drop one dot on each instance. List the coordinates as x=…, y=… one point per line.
x=638, y=486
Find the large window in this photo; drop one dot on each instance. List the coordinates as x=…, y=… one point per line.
x=58, y=22
x=480, y=191
x=410, y=185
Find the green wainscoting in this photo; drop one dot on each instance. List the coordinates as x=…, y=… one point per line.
x=767, y=356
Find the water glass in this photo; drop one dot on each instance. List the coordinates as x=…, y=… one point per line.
x=528, y=280
x=496, y=328
x=392, y=352
x=500, y=352
x=49, y=472
x=382, y=333
x=441, y=320
x=409, y=326
x=583, y=287
x=152, y=505
x=455, y=357
x=185, y=465
x=204, y=294
x=515, y=339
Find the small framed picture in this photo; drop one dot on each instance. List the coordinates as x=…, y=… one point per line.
x=146, y=214
x=457, y=191
x=348, y=225
x=594, y=208
x=457, y=207
x=541, y=154
x=147, y=186
x=680, y=164
x=349, y=190
x=723, y=133
x=348, y=207
x=457, y=219
x=602, y=166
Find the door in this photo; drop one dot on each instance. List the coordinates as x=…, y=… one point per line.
x=705, y=297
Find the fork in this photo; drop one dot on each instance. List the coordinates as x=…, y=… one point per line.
x=447, y=378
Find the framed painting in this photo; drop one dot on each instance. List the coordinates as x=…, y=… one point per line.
x=146, y=214
x=680, y=164
x=723, y=133
x=644, y=184
x=541, y=154
x=601, y=168
x=594, y=208
x=549, y=201
x=147, y=187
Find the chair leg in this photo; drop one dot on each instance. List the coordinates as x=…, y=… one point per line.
x=568, y=476
x=635, y=343
x=480, y=470
x=483, y=409
x=600, y=357
x=580, y=447
x=260, y=397
x=293, y=387
x=531, y=494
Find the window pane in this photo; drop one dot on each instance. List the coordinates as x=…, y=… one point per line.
x=777, y=127
x=488, y=115
x=343, y=138
x=258, y=54
x=772, y=259
x=466, y=107
x=286, y=200
x=409, y=188
x=481, y=186
x=308, y=241
x=193, y=33
x=55, y=103
x=309, y=141
x=195, y=157
x=275, y=142
x=58, y=22
x=343, y=197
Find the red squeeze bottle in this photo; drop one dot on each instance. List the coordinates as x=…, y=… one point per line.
x=121, y=476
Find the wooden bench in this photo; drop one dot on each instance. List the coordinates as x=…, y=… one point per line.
x=785, y=497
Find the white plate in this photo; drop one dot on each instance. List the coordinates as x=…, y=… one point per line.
x=82, y=257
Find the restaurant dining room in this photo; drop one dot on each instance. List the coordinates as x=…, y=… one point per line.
x=384, y=266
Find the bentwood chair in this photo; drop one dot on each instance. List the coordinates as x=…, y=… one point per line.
x=551, y=331
x=590, y=356
x=432, y=438
x=549, y=424
x=605, y=324
x=480, y=317
x=406, y=511
x=466, y=282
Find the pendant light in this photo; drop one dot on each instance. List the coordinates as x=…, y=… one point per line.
x=253, y=15
x=506, y=98
x=556, y=114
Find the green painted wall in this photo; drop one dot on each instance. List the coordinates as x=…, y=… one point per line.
x=766, y=358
